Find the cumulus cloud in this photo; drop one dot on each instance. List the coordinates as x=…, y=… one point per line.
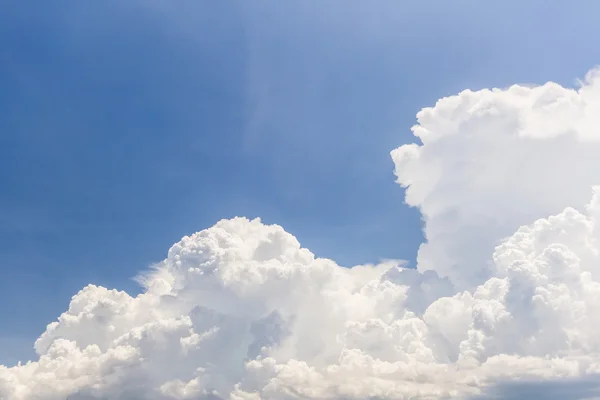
x=493, y=160
x=507, y=286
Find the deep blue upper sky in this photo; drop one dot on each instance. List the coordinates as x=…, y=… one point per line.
x=126, y=125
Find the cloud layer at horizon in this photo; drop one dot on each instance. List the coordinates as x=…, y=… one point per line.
x=507, y=286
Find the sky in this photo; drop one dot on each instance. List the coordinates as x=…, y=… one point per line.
x=125, y=126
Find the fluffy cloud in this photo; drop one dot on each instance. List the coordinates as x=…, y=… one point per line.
x=502, y=290
x=494, y=160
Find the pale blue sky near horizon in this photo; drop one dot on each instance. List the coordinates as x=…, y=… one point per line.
x=127, y=125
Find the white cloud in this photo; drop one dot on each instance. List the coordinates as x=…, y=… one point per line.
x=494, y=160
x=502, y=291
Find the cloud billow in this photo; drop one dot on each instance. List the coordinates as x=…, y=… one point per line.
x=507, y=285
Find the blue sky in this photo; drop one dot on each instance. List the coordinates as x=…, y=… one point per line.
x=126, y=125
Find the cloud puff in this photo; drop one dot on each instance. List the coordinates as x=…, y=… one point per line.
x=493, y=160
x=507, y=286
